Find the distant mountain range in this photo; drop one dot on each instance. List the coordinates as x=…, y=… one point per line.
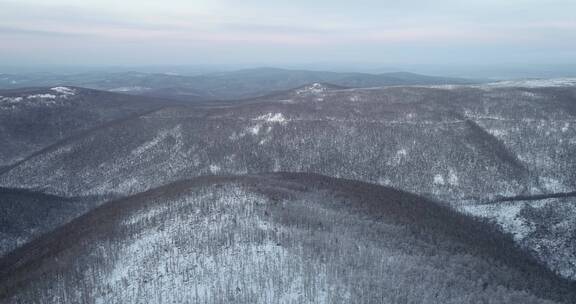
x=217, y=86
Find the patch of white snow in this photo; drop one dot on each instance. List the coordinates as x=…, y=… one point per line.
x=64, y=91
x=439, y=179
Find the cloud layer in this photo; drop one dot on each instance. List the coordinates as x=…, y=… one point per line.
x=272, y=32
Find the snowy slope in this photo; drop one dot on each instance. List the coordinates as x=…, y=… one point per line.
x=464, y=146
x=282, y=238
x=33, y=119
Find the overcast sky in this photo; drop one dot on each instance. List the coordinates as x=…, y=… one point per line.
x=268, y=32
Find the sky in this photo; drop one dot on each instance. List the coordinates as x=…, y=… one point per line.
x=264, y=32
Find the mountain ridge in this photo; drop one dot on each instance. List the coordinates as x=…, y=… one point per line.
x=278, y=202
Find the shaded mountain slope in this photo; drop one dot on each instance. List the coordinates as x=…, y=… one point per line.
x=32, y=119
x=25, y=215
x=544, y=224
x=276, y=238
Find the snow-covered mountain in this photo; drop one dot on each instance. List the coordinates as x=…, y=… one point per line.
x=33, y=119
x=276, y=238
x=466, y=146
x=503, y=153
